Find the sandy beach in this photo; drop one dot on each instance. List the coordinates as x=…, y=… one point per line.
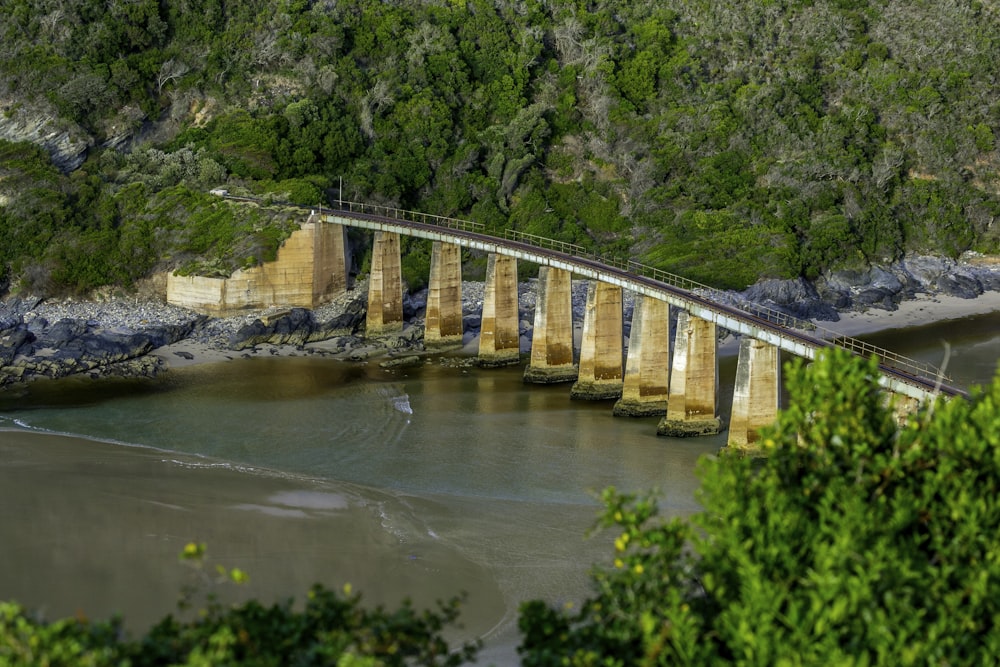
x=925, y=309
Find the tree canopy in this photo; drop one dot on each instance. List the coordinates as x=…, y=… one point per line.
x=725, y=140
x=854, y=541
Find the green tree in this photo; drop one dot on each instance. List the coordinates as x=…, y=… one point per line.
x=331, y=628
x=856, y=541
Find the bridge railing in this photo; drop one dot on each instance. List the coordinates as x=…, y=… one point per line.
x=412, y=216
x=771, y=316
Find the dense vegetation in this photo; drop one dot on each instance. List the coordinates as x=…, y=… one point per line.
x=726, y=140
x=330, y=628
x=855, y=542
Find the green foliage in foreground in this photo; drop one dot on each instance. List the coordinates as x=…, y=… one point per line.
x=331, y=629
x=853, y=543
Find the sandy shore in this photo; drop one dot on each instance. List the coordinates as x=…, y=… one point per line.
x=925, y=309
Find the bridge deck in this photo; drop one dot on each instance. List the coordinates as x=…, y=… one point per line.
x=800, y=337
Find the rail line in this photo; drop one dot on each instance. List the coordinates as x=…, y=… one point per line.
x=922, y=375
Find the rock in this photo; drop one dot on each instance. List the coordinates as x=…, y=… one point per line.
x=184, y=354
x=13, y=342
x=297, y=326
x=402, y=362
x=65, y=141
x=73, y=346
x=798, y=298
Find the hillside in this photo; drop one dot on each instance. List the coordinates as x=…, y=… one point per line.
x=723, y=140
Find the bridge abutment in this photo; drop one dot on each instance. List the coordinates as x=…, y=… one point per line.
x=552, y=338
x=647, y=368
x=443, y=318
x=499, y=336
x=757, y=392
x=600, y=375
x=693, y=395
x=385, y=287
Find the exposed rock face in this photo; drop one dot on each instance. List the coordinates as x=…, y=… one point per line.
x=65, y=142
x=797, y=298
x=885, y=287
x=71, y=347
x=298, y=326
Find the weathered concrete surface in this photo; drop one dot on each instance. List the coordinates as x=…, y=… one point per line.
x=310, y=270
x=552, y=338
x=693, y=396
x=756, y=394
x=499, y=337
x=329, y=262
x=647, y=369
x=443, y=317
x=902, y=407
x=600, y=377
x=385, y=287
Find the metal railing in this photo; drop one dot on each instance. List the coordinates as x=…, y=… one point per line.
x=777, y=318
x=412, y=216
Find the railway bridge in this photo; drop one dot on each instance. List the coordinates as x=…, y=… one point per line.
x=650, y=377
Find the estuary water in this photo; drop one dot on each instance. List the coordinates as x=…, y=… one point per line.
x=415, y=483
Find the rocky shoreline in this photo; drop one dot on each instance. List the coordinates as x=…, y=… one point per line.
x=130, y=337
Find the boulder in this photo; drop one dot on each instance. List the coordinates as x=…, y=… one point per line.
x=797, y=297
x=298, y=326
x=77, y=346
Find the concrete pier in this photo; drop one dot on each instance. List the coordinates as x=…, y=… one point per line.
x=600, y=376
x=756, y=394
x=647, y=368
x=552, y=339
x=693, y=396
x=443, y=318
x=385, y=287
x=902, y=407
x=329, y=261
x=499, y=337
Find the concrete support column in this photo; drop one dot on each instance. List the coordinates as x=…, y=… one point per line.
x=329, y=262
x=385, y=287
x=443, y=319
x=499, y=337
x=552, y=339
x=693, y=395
x=647, y=368
x=902, y=407
x=600, y=376
x=756, y=394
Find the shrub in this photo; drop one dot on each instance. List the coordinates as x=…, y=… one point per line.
x=853, y=542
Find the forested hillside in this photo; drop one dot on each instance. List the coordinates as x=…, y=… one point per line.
x=725, y=140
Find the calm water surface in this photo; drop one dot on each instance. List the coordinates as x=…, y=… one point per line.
x=415, y=483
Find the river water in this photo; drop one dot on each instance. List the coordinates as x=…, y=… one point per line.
x=420, y=482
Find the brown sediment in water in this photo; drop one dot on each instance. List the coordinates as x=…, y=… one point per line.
x=106, y=523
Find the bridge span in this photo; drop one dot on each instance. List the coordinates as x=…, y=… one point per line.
x=678, y=383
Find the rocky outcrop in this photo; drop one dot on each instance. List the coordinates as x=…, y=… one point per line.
x=65, y=142
x=298, y=326
x=72, y=347
x=797, y=297
x=875, y=286
x=885, y=286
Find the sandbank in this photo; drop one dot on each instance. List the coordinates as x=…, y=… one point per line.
x=921, y=310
